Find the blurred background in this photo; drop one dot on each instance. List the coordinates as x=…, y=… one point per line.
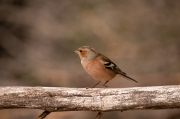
x=37, y=40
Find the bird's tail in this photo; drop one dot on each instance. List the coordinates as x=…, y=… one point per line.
x=127, y=77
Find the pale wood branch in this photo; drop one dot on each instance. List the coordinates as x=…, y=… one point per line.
x=54, y=99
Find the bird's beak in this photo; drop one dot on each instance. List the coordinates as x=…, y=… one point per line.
x=76, y=52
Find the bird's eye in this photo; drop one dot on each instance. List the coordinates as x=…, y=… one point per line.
x=80, y=50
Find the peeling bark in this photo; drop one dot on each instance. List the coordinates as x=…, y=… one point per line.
x=54, y=99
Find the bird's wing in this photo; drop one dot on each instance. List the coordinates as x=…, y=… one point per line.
x=113, y=67
x=110, y=65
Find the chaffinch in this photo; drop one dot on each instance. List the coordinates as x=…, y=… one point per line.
x=99, y=66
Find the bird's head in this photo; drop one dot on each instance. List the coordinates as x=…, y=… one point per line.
x=86, y=53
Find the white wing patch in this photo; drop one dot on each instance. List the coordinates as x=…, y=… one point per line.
x=109, y=65
x=113, y=67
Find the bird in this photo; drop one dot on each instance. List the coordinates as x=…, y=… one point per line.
x=98, y=66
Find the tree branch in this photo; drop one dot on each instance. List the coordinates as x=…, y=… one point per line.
x=54, y=99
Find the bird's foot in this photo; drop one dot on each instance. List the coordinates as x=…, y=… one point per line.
x=96, y=85
x=105, y=86
x=92, y=87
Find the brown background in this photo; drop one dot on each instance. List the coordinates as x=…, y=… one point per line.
x=37, y=40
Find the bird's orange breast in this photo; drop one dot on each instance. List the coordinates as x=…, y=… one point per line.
x=96, y=69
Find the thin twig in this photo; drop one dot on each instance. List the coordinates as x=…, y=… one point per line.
x=43, y=115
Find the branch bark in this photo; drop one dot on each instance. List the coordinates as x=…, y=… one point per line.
x=54, y=99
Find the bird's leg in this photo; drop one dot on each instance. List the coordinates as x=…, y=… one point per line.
x=98, y=116
x=93, y=85
x=105, y=84
x=96, y=84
